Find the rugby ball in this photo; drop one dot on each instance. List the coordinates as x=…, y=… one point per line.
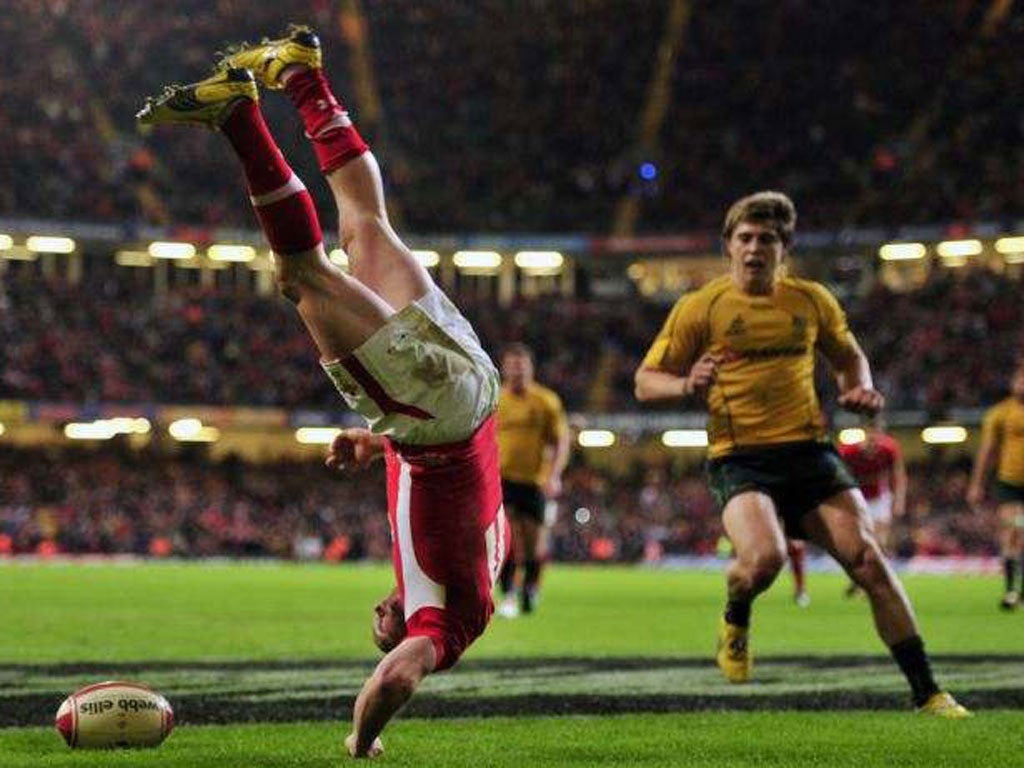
x=114, y=714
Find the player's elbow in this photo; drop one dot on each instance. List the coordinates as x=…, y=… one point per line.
x=641, y=385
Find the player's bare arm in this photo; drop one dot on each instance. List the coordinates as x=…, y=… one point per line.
x=559, y=460
x=354, y=448
x=387, y=690
x=986, y=459
x=652, y=384
x=857, y=391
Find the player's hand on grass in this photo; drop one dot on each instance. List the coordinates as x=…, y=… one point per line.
x=862, y=400
x=353, y=448
x=376, y=748
x=703, y=375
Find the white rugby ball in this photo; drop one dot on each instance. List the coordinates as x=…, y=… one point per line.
x=114, y=714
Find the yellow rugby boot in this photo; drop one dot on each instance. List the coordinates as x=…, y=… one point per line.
x=207, y=103
x=941, y=704
x=268, y=58
x=734, y=657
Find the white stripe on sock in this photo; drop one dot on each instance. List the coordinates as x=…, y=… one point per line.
x=293, y=186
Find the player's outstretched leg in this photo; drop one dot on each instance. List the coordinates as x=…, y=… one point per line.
x=377, y=257
x=752, y=526
x=339, y=312
x=841, y=526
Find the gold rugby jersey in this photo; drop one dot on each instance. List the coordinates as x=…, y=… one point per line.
x=765, y=388
x=1004, y=424
x=528, y=423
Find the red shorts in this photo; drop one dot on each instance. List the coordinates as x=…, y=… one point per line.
x=449, y=537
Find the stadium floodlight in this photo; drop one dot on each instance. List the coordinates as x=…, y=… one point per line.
x=237, y=253
x=339, y=257
x=192, y=431
x=129, y=425
x=1005, y=245
x=959, y=248
x=2, y=428
x=477, y=260
x=540, y=262
x=49, y=244
x=943, y=435
x=685, y=438
x=902, y=251
x=852, y=436
x=6, y=242
x=427, y=258
x=133, y=259
x=91, y=430
x=596, y=438
x=316, y=435
x=168, y=250
x=1014, y=258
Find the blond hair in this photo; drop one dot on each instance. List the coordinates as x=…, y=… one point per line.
x=773, y=209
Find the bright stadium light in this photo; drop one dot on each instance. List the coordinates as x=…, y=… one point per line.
x=482, y=260
x=183, y=429
x=6, y=242
x=943, y=435
x=316, y=435
x=959, y=248
x=1010, y=245
x=539, y=261
x=596, y=438
x=2, y=428
x=685, y=438
x=339, y=257
x=852, y=436
x=1014, y=258
x=129, y=425
x=427, y=258
x=238, y=253
x=47, y=244
x=902, y=251
x=92, y=430
x=166, y=250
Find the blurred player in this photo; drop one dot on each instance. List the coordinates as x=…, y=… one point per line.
x=745, y=342
x=533, y=441
x=397, y=350
x=1002, y=445
x=878, y=467
x=796, y=550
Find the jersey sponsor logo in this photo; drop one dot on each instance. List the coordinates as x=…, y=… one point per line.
x=737, y=327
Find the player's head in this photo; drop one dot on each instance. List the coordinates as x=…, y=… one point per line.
x=756, y=235
x=1017, y=382
x=517, y=365
x=389, y=621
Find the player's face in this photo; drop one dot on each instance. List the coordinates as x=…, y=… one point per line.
x=389, y=622
x=516, y=368
x=1017, y=384
x=755, y=253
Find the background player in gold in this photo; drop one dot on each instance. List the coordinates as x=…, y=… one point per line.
x=746, y=342
x=1002, y=440
x=533, y=442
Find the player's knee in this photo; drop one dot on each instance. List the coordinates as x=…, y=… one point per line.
x=397, y=681
x=867, y=567
x=761, y=568
x=358, y=226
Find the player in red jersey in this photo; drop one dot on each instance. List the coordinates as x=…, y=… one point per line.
x=395, y=347
x=877, y=464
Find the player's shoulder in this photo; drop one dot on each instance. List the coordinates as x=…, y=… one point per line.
x=890, y=443
x=812, y=288
x=545, y=394
x=701, y=298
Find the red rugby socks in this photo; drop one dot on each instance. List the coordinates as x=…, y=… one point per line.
x=283, y=206
x=328, y=126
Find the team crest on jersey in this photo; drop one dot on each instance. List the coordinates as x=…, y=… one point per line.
x=737, y=327
x=799, y=328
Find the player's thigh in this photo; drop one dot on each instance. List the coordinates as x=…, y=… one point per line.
x=752, y=524
x=842, y=527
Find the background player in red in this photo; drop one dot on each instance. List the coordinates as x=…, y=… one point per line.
x=396, y=348
x=877, y=465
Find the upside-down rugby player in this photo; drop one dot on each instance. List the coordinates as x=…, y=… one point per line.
x=1002, y=436
x=397, y=350
x=533, y=442
x=746, y=343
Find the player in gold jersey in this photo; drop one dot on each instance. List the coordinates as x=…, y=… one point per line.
x=746, y=342
x=533, y=443
x=1002, y=441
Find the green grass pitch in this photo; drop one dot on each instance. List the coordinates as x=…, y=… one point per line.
x=613, y=670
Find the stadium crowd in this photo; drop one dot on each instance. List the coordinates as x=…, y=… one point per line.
x=114, y=499
x=487, y=114
x=948, y=344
